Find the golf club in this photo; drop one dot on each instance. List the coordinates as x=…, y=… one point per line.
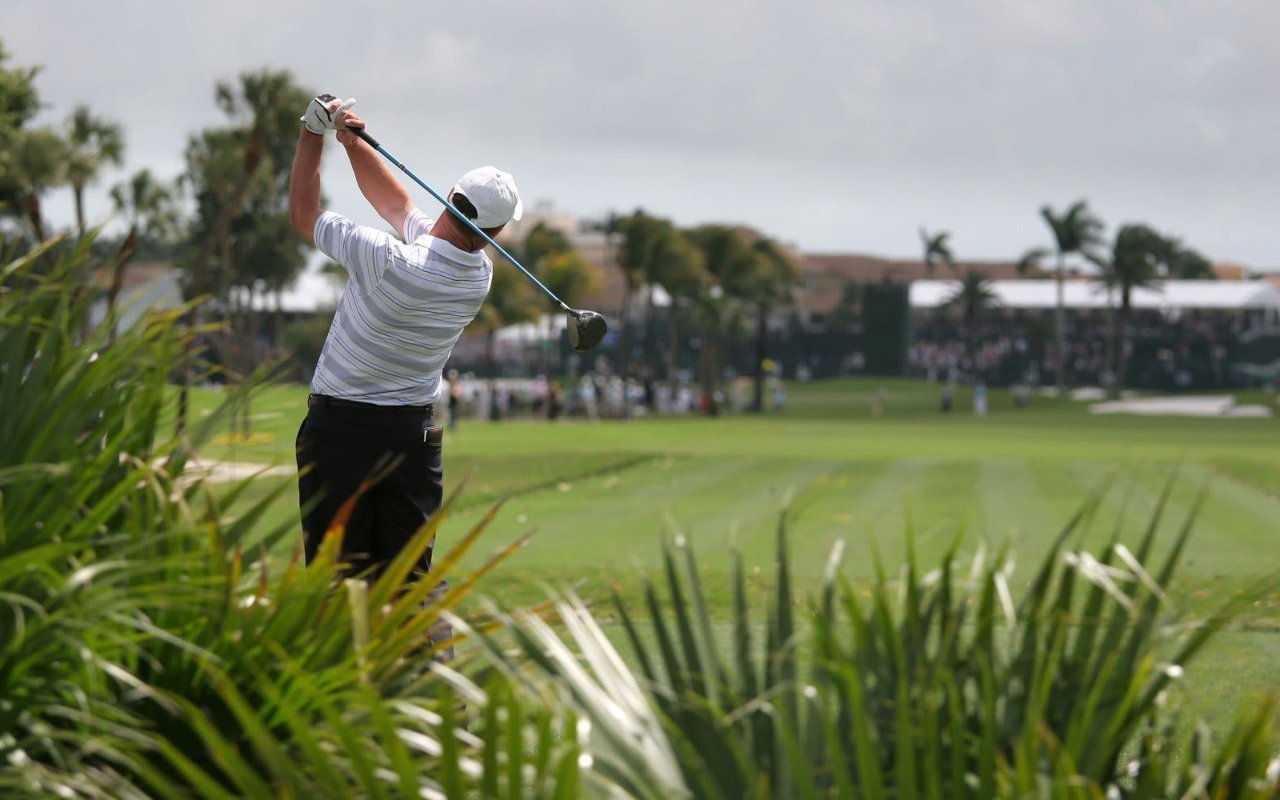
x=586, y=328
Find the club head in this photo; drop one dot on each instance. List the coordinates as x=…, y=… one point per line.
x=586, y=329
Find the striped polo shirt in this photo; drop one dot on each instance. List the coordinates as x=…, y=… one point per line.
x=403, y=308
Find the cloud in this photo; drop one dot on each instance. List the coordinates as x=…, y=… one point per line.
x=836, y=125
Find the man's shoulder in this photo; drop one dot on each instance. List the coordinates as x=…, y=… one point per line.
x=328, y=219
x=416, y=225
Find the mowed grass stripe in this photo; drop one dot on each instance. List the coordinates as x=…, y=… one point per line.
x=1234, y=532
x=1014, y=503
x=1232, y=526
x=618, y=520
x=867, y=506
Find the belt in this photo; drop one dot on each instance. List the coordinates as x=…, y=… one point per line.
x=325, y=401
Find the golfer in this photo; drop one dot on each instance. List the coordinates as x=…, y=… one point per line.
x=406, y=301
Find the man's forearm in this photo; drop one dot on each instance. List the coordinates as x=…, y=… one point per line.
x=304, y=185
x=379, y=185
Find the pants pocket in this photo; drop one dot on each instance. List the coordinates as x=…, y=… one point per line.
x=433, y=450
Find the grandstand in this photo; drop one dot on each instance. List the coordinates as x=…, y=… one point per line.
x=1258, y=298
x=1182, y=336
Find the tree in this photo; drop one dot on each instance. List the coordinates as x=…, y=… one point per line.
x=970, y=298
x=653, y=250
x=570, y=277
x=232, y=170
x=729, y=261
x=543, y=241
x=549, y=254
x=1075, y=231
x=92, y=143
x=1133, y=263
x=267, y=257
x=36, y=163
x=19, y=99
x=150, y=209
x=242, y=165
x=19, y=102
x=643, y=237
x=682, y=272
x=1183, y=263
x=1031, y=263
x=630, y=260
x=936, y=251
x=769, y=284
x=510, y=301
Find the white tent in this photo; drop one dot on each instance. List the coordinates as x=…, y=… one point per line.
x=546, y=328
x=1167, y=296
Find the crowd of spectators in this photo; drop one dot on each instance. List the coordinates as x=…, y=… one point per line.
x=1193, y=350
x=594, y=396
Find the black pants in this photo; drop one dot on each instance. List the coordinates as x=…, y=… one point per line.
x=341, y=444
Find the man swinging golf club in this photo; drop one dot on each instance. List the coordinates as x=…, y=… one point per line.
x=404, y=306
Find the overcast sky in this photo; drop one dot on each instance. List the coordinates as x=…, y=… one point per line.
x=837, y=126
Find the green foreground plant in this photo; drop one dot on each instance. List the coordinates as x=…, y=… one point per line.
x=146, y=650
x=923, y=685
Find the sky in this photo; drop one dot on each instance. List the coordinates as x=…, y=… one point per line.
x=839, y=126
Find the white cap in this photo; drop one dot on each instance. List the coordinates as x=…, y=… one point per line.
x=493, y=193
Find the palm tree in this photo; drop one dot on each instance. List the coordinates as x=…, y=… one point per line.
x=1075, y=231
x=150, y=209
x=1031, y=263
x=92, y=143
x=19, y=98
x=971, y=297
x=1134, y=263
x=1183, y=263
x=773, y=277
x=36, y=163
x=672, y=262
x=629, y=258
x=264, y=107
x=648, y=245
x=19, y=103
x=936, y=250
x=684, y=276
x=729, y=260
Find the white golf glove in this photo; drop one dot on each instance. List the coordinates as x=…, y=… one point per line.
x=322, y=111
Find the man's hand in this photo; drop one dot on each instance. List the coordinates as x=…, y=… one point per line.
x=321, y=113
x=347, y=122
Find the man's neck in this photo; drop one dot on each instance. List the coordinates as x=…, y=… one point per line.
x=452, y=231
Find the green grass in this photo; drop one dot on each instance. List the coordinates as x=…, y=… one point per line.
x=600, y=497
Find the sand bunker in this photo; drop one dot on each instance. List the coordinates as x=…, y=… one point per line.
x=1198, y=406
x=223, y=471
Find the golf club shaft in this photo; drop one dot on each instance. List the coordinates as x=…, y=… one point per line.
x=374, y=144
